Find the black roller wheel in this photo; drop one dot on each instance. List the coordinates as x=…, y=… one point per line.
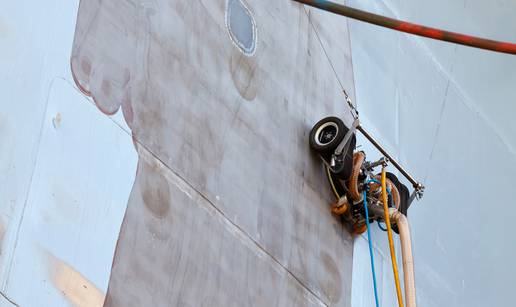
x=326, y=135
x=403, y=191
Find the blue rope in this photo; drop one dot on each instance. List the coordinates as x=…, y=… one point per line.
x=370, y=249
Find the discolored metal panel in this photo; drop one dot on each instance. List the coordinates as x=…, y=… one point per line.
x=234, y=127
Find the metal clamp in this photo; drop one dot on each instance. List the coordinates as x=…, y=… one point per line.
x=344, y=144
x=343, y=147
x=419, y=188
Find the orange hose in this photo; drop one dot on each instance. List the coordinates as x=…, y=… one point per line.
x=373, y=186
x=391, y=241
x=358, y=160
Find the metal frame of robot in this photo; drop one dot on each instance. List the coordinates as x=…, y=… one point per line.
x=419, y=188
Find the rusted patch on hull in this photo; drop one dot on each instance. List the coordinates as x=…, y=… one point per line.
x=75, y=288
x=245, y=75
x=155, y=192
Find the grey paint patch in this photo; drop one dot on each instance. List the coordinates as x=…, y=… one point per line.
x=195, y=257
x=183, y=102
x=241, y=26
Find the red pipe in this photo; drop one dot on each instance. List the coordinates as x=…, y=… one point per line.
x=412, y=28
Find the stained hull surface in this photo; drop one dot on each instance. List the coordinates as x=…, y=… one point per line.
x=229, y=206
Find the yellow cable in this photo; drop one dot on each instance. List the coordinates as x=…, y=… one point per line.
x=344, y=207
x=391, y=241
x=331, y=183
